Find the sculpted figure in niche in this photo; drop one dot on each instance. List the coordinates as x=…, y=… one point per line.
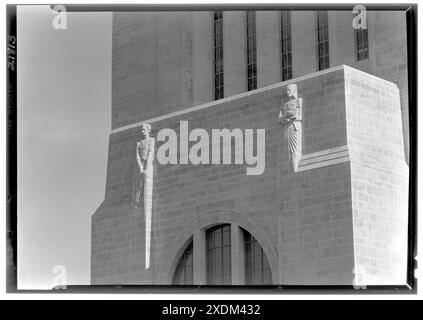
x=290, y=117
x=145, y=157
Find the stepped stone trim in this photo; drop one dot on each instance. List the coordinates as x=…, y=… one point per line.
x=324, y=158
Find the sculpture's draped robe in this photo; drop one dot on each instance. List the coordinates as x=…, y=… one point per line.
x=145, y=152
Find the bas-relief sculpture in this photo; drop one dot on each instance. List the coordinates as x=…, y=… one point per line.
x=145, y=157
x=290, y=117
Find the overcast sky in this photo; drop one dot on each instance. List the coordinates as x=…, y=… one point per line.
x=64, y=96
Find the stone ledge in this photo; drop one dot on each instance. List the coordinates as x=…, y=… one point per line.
x=324, y=158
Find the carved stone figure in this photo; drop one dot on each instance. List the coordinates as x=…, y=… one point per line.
x=145, y=157
x=290, y=117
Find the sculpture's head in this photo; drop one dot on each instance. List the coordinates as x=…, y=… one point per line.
x=291, y=91
x=145, y=130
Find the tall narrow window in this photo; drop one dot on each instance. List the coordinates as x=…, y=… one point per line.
x=257, y=268
x=218, y=54
x=286, y=50
x=322, y=40
x=184, y=270
x=218, y=255
x=251, y=51
x=361, y=44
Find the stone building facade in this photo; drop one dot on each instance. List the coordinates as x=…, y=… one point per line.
x=340, y=218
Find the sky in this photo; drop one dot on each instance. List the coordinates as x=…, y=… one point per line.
x=64, y=103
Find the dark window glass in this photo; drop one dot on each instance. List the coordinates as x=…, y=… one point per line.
x=286, y=45
x=361, y=44
x=251, y=51
x=257, y=268
x=184, y=270
x=218, y=54
x=218, y=255
x=322, y=40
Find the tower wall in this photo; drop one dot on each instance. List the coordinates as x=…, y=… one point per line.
x=340, y=219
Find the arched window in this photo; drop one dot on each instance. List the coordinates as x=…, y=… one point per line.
x=257, y=268
x=218, y=255
x=184, y=270
x=216, y=245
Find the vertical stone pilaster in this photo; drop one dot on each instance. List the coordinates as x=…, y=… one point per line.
x=304, y=55
x=202, y=57
x=237, y=255
x=199, y=257
x=268, y=47
x=234, y=46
